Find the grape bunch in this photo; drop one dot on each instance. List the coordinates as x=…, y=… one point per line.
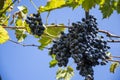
x=35, y=24
x=84, y=45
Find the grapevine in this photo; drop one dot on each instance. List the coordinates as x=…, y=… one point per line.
x=83, y=41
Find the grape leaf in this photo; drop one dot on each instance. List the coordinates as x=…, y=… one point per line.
x=65, y=74
x=3, y=35
x=106, y=9
x=54, y=30
x=88, y=4
x=53, y=63
x=2, y=4
x=51, y=32
x=44, y=40
x=23, y=9
x=52, y=4
x=20, y=33
x=114, y=66
x=4, y=20
x=118, y=7
x=73, y=3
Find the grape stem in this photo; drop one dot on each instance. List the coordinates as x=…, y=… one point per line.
x=115, y=56
x=109, y=34
x=26, y=45
x=12, y=27
x=113, y=41
x=34, y=5
x=113, y=60
x=87, y=14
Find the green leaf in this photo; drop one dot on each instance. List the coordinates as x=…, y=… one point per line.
x=51, y=32
x=54, y=30
x=53, y=63
x=70, y=69
x=118, y=7
x=51, y=5
x=4, y=19
x=6, y=4
x=20, y=33
x=88, y=4
x=106, y=9
x=2, y=4
x=114, y=66
x=44, y=40
x=23, y=9
x=65, y=74
x=3, y=35
x=73, y=3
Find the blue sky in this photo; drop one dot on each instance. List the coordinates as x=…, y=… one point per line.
x=29, y=63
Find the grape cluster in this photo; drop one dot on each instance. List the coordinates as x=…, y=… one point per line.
x=35, y=24
x=84, y=45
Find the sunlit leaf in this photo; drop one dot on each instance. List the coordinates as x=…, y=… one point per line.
x=6, y=4
x=23, y=9
x=2, y=4
x=106, y=9
x=53, y=63
x=20, y=33
x=88, y=4
x=73, y=3
x=44, y=40
x=54, y=30
x=118, y=7
x=4, y=20
x=65, y=74
x=52, y=4
x=114, y=66
x=3, y=35
x=70, y=69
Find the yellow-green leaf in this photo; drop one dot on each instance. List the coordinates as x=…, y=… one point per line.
x=20, y=33
x=1, y=4
x=118, y=7
x=69, y=68
x=73, y=3
x=23, y=9
x=6, y=4
x=52, y=4
x=44, y=40
x=54, y=30
x=64, y=74
x=3, y=35
x=114, y=66
x=88, y=4
x=106, y=8
x=53, y=63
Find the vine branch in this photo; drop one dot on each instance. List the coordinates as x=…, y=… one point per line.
x=87, y=14
x=101, y=31
x=113, y=60
x=113, y=41
x=109, y=34
x=26, y=45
